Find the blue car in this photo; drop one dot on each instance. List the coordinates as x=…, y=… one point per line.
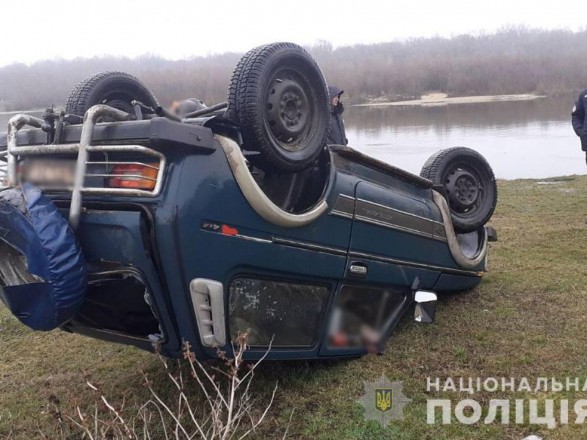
x=149, y=226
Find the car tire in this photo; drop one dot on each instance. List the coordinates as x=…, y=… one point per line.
x=278, y=97
x=116, y=89
x=469, y=185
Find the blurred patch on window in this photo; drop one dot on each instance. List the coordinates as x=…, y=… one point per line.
x=287, y=312
x=362, y=315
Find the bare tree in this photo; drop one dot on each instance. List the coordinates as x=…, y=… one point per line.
x=514, y=59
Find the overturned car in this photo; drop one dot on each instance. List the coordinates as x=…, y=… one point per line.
x=124, y=221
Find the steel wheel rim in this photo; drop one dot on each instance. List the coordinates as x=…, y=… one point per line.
x=466, y=192
x=288, y=109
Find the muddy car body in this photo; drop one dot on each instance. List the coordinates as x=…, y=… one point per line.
x=183, y=239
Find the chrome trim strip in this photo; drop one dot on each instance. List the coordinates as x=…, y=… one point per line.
x=287, y=242
x=341, y=209
x=341, y=214
x=309, y=246
x=400, y=228
x=248, y=237
x=391, y=218
x=415, y=264
x=343, y=252
x=244, y=237
x=399, y=211
x=344, y=206
x=439, y=232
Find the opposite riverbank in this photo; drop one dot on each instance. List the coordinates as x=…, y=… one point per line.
x=438, y=99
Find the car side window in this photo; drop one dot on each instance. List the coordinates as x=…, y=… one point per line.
x=363, y=314
x=288, y=312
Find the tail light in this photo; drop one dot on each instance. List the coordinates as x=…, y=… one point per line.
x=134, y=176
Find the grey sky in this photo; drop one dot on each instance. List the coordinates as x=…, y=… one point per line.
x=37, y=29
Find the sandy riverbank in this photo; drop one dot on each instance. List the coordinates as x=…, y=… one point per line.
x=14, y=112
x=434, y=99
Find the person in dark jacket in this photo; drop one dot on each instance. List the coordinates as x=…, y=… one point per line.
x=579, y=121
x=337, y=134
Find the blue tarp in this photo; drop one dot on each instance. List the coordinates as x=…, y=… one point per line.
x=38, y=231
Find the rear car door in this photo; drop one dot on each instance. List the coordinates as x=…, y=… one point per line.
x=391, y=236
x=388, y=252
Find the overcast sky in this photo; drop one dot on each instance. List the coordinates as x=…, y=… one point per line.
x=38, y=29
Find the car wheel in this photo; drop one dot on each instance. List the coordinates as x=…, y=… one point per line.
x=278, y=97
x=116, y=89
x=469, y=184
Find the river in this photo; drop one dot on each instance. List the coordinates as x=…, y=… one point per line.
x=520, y=139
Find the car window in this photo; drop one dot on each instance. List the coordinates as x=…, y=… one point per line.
x=362, y=315
x=288, y=312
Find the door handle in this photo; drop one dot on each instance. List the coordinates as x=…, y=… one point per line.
x=358, y=270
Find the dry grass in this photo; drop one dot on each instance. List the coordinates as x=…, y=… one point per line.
x=527, y=319
x=221, y=407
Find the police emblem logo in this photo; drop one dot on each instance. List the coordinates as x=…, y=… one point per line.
x=383, y=399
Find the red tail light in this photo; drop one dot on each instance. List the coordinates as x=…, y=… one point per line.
x=134, y=176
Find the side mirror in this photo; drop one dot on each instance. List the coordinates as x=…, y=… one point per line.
x=425, y=306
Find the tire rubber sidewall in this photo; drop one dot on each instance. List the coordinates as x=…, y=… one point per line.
x=441, y=162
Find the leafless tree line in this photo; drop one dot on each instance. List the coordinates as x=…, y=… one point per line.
x=512, y=60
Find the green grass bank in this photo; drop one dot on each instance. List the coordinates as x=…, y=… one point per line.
x=526, y=319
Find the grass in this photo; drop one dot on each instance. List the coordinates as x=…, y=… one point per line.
x=526, y=319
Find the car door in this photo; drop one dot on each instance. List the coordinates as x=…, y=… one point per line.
x=391, y=236
x=387, y=259
x=277, y=281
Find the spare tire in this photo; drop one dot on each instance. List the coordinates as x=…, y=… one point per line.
x=278, y=97
x=43, y=278
x=116, y=89
x=469, y=185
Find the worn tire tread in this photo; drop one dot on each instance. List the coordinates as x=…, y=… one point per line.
x=78, y=100
x=243, y=110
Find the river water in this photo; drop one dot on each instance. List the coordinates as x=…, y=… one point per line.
x=520, y=139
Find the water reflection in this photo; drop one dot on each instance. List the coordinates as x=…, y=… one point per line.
x=522, y=139
x=484, y=115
